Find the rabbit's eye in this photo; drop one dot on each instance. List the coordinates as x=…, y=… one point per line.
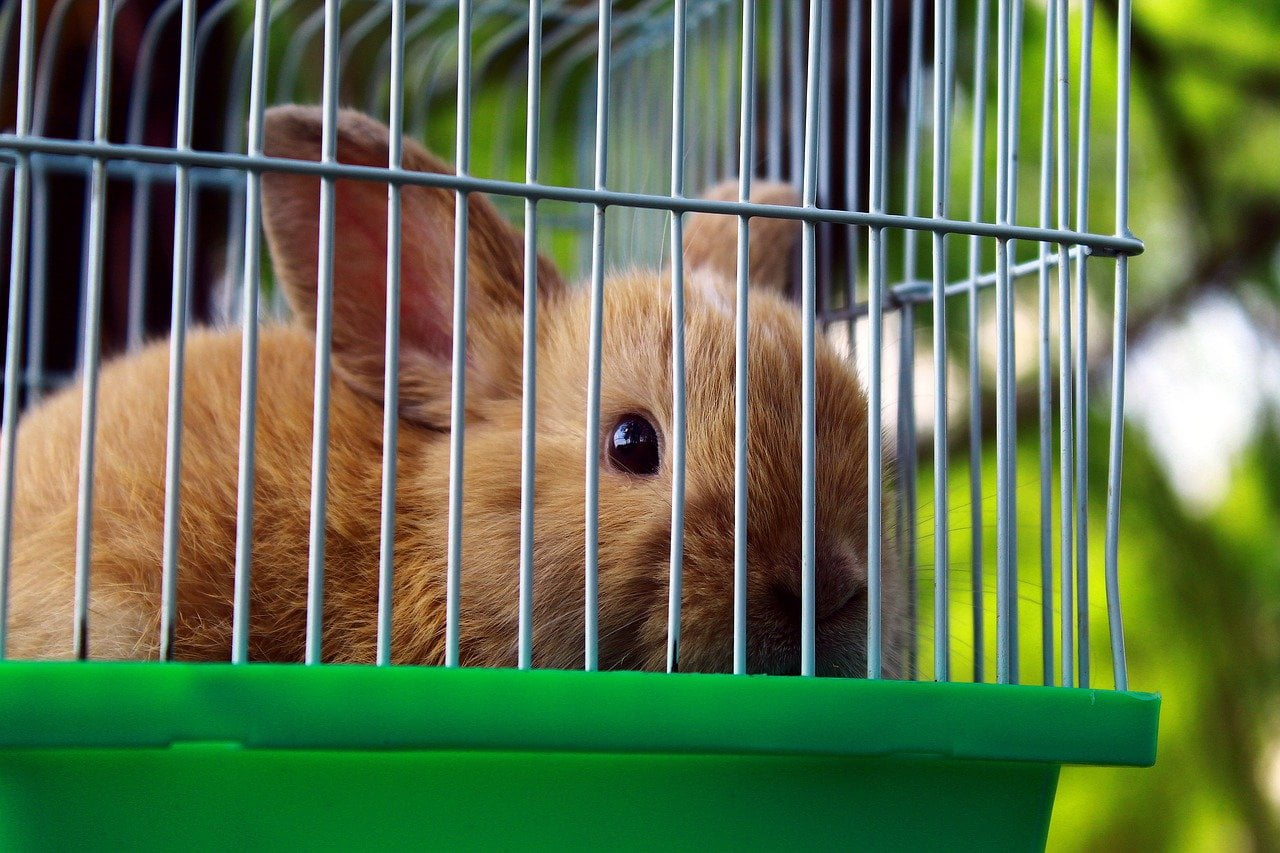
x=633, y=447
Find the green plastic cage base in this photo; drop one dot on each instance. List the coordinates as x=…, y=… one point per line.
x=197, y=756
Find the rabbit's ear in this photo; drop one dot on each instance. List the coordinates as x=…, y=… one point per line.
x=711, y=239
x=495, y=253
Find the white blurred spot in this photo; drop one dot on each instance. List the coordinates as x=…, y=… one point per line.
x=1197, y=389
x=1271, y=772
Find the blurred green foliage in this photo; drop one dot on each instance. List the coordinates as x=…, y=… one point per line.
x=1201, y=586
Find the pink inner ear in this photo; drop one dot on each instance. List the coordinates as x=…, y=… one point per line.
x=426, y=321
x=426, y=274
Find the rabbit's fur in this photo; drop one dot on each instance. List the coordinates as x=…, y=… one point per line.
x=635, y=511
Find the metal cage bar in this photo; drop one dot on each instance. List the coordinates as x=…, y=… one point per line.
x=741, y=388
x=17, y=292
x=391, y=377
x=324, y=342
x=458, y=397
x=1010, y=165
x=1065, y=435
x=976, y=205
x=1045, y=377
x=808, y=311
x=1082, y=350
x=943, y=58
x=678, y=392
x=1006, y=556
x=1109, y=245
x=1118, y=342
x=907, y=431
x=92, y=352
x=249, y=340
x=875, y=299
x=592, y=638
x=528, y=412
x=177, y=336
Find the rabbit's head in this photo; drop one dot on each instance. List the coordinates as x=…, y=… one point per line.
x=635, y=444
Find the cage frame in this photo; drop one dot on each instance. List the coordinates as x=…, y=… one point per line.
x=1131, y=731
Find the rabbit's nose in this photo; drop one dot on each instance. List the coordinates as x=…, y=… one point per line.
x=840, y=588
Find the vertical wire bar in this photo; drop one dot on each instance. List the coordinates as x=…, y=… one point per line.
x=1005, y=557
x=528, y=442
x=726, y=85
x=1012, y=127
x=249, y=340
x=33, y=377
x=678, y=422
x=795, y=78
x=177, y=337
x=912, y=190
x=774, y=141
x=458, y=402
x=592, y=627
x=391, y=358
x=853, y=152
x=1082, y=349
x=13, y=353
x=875, y=318
x=92, y=332
x=809, y=192
x=977, y=184
x=741, y=388
x=237, y=111
x=324, y=342
x=18, y=247
x=942, y=52
x=907, y=444
x=9, y=162
x=1046, y=370
x=907, y=449
x=1066, y=444
x=582, y=164
x=1118, y=342
x=140, y=210
x=826, y=232
x=84, y=130
x=1015, y=107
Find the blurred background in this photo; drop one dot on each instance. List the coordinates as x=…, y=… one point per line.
x=1200, y=521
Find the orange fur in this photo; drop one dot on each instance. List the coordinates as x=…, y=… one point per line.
x=634, y=511
x=711, y=241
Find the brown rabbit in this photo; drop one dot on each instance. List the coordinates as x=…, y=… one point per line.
x=635, y=489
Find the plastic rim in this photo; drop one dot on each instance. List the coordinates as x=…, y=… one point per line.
x=271, y=706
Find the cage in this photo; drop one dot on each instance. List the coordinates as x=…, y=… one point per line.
x=945, y=168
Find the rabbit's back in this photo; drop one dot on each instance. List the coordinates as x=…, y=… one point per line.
x=128, y=501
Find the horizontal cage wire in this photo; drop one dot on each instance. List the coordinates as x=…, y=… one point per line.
x=942, y=169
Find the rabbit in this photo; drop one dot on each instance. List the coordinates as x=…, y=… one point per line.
x=634, y=451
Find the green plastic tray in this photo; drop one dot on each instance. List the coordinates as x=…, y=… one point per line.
x=192, y=756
